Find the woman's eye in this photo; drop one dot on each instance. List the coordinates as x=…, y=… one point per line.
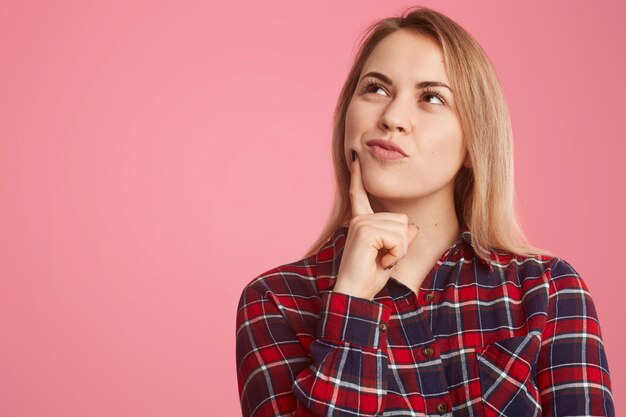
x=375, y=89
x=432, y=94
x=372, y=87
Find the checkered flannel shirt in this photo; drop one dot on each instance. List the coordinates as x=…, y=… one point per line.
x=518, y=336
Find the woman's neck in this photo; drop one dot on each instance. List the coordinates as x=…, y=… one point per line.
x=439, y=229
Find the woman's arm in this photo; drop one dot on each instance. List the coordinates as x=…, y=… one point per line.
x=343, y=369
x=572, y=369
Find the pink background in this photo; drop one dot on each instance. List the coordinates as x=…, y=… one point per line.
x=157, y=156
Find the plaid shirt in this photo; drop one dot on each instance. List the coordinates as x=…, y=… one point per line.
x=518, y=336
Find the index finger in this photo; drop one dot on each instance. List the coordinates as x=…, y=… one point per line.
x=360, y=203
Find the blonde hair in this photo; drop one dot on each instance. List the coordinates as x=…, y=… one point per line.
x=484, y=195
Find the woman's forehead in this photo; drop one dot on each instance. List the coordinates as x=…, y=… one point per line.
x=407, y=56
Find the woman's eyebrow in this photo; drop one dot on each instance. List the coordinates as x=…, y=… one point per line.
x=422, y=84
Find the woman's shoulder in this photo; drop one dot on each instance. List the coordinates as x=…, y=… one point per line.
x=296, y=277
x=548, y=270
x=290, y=289
x=304, y=278
x=563, y=276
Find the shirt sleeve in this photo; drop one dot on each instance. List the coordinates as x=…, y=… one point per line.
x=572, y=369
x=342, y=371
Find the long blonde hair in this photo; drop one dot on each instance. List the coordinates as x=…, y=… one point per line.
x=484, y=195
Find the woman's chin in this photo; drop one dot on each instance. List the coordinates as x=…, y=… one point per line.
x=387, y=196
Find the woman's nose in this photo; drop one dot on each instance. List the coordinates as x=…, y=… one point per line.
x=397, y=116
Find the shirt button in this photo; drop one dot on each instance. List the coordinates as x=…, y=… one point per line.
x=429, y=297
x=382, y=327
x=428, y=351
x=441, y=408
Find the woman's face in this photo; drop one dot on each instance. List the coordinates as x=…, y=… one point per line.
x=413, y=117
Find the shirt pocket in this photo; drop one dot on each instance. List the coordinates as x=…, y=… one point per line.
x=507, y=379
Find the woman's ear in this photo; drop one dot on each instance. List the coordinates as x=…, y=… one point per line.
x=468, y=162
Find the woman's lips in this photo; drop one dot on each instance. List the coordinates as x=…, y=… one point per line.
x=385, y=154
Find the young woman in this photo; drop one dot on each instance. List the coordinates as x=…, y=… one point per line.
x=422, y=295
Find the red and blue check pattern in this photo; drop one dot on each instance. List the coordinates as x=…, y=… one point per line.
x=518, y=336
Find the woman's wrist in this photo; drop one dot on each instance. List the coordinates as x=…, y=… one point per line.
x=354, y=292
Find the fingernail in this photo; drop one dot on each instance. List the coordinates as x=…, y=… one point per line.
x=391, y=266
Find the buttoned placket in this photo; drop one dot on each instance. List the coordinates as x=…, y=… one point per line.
x=420, y=336
x=426, y=350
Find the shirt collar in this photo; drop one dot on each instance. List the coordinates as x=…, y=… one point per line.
x=328, y=258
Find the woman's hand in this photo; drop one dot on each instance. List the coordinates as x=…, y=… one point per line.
x=375, y=242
